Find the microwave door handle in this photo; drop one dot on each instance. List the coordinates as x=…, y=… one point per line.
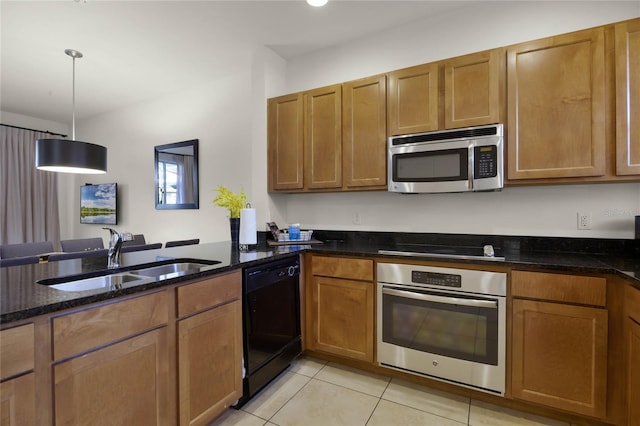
x=442, y=299
x=470, y=163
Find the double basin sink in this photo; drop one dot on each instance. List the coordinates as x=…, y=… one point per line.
x=130, y=278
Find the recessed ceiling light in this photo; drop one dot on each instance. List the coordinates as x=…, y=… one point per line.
x=317, y=3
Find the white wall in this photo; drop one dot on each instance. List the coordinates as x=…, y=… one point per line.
x=539, y=211
x=218, y=114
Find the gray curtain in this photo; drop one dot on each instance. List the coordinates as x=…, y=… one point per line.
x=28, y=197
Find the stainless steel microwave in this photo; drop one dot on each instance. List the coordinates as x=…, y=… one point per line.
x=460, y=160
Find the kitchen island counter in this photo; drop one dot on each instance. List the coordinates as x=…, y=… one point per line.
x=21, y=297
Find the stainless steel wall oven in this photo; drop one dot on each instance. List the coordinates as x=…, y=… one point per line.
x=444, y=323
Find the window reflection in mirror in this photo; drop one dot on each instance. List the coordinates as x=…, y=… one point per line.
x=176, y=175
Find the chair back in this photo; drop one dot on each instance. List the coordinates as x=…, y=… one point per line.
x=127, y=249
x=8, y=251
x=178, y=243
x=138, y=240
x=82, y=244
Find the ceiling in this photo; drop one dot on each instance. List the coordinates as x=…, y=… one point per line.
x=140, y=50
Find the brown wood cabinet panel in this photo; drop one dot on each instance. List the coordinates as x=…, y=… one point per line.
x=556, y=107
x=285, y=142
x=627, y=53
x=632, y=303
x=474, y=89
x=93, y=327
x=208, y=293
x=364, y=133
x=209, y=363
x=559, y=356
x=125, y=383
x=18, y=401
x=578, y=289
x=633, y=372
x=323, y=138
x=17, y=346
x=341, y=317
x=342, y=267
x=412, y=100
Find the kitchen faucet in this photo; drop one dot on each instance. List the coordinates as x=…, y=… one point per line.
x=115, y=244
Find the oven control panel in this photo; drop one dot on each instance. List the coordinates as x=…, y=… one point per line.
x=434, y=278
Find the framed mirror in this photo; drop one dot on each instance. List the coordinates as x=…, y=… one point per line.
x=176, y=175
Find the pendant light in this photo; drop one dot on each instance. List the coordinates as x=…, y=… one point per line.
x=317, y=3
x=71, y=156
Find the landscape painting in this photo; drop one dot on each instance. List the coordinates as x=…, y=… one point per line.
x=98, y=204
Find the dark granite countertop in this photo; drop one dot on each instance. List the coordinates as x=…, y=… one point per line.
x=21, y=297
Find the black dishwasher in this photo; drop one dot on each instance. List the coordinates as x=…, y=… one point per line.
x=271, y=323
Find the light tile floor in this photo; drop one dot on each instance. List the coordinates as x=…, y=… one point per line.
x=313, y=392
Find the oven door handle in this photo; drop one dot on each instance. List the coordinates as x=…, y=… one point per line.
x=442, y=299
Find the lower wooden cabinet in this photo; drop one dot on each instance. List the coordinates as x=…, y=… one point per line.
x=340, y=310
x=124, y=383
x=559, y=350
x=17, y=387
x=632, y=343
x=209, y=363
x=18, y=401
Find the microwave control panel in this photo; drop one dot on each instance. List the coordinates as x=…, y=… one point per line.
x=486, y=161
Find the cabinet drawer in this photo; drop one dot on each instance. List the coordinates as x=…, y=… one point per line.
x=579, y=289
x=81, y=331
x=17, y=350
x=208, y=293
x=632, y=303
x=338, y=267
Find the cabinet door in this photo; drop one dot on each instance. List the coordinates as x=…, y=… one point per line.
x=413, y=100
x=627, y=50
x=209, y=363
x=125, y=383
x=559, y=356
x=633, y=365
x=556, y=107
x=285, y=142
x=341, y=320
x=364, y=132
x=18, y=401
x=323, y=138
x=473, y=89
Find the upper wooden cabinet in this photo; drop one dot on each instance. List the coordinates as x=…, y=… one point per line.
x=364, y=133
x=412, y=100
x=459, y=92
x=474, y=89
x=285, y=142
x=329, y=139
x=323, y=138
x=627, y=54
x=556, y=106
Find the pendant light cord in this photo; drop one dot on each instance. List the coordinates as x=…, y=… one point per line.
x=73, y=101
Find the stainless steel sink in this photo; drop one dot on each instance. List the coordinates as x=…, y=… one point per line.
x=105, y=282
x=116, y=280
x=178, y=268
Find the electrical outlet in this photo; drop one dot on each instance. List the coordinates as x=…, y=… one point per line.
x=356, y=218
x=584, y=220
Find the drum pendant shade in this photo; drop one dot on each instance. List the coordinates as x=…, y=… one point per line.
x=71, y=156
x=67, y=156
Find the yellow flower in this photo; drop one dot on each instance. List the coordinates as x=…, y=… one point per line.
x=230, y=200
